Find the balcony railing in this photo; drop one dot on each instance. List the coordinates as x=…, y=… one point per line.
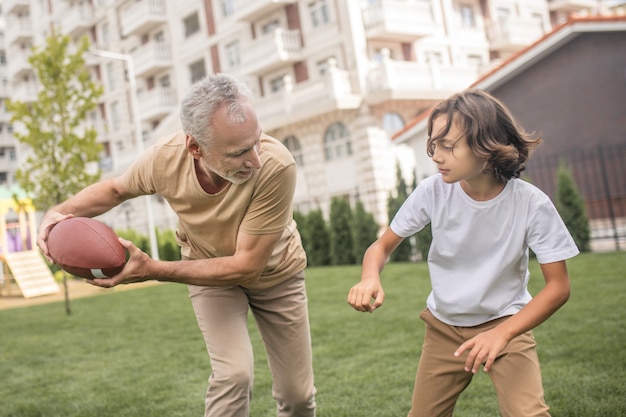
x=513, y=34
x=18, y=63
x=142, y=16
x=156, y=103
x=571, y=5
x=18, y=30
x=9, y=6
x=78, y=20
x=25, y=92
x=412, y=80
x=308, y=99
x=270, y=52
x=250, y=10
x=152, y=58
x=398, y=20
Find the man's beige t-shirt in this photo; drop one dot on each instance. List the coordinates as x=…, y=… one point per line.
x=209, y=223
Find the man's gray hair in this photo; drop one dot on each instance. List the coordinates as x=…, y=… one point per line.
x=198, y=107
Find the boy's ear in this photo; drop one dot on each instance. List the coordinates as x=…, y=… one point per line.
x=192, y=146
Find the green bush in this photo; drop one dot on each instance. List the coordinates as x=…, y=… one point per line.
x=364, y=231
x=341, y=241
x=317, y=239
x=571, y=207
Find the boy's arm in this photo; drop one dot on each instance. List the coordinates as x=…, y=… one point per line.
x=361, y=295
x=486, y=346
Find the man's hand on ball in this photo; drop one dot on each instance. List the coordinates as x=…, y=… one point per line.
x=135, y=270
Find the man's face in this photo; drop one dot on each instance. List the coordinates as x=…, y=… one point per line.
x=233, y=154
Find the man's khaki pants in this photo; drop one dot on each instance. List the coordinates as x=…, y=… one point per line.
x=441, y=376
x=281, y=314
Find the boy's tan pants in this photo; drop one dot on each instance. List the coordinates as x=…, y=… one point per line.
x=441, y=377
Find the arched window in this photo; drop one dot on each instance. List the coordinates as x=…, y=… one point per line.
x=392, y=122
x=293, y=144
x=337, y=143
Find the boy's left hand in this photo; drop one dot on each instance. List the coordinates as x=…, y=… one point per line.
x=483, y=349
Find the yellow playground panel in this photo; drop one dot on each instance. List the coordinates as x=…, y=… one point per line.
x=21, y=260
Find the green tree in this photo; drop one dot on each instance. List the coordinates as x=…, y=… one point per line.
x=424, y=236
x=53, y=126
x=364, y=230
x=341, y=241
x=571, y=207
x=300, y=220
x=168, y=247
x=405, y=250
x=316, y=239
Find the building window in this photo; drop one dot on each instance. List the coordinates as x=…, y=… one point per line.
x=164, y=81
x=392, y=122
x=115, y=116
x=467, y=16
x=537, y=17
x=337, y=143
x=197, y=71
x=228, y=7
x=232, y=54
x=318, y=10
x=324, y=65
x=270, y=27
x=104, y=30
x=293, y=144
x=192, y=24
x=475, y=61
x=110, y=76
x=277, y=84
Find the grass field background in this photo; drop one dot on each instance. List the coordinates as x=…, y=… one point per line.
x=139, y=353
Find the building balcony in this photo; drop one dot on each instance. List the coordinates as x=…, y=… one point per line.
x=78, y=20
x=18, y=30
x=398, y=20
x=251, y=10
x=408, y=80
x=569, y=6
x=18, y=64
x=11, y=6
x=151, y=58
x=4, y=81
x=142, y=16
x=267, y=53
x=514, y=34
x=25, y=92
x=156, y=104
x=307, y=99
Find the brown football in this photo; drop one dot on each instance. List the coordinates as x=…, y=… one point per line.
x=86, y=248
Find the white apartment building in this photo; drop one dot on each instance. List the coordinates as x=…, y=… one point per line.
x=333, y=79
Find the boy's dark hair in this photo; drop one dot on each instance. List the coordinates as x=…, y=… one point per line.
x=491, y=131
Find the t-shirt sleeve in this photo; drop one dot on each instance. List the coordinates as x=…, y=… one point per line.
x=414, y=214
x=547, y=234
x=270, y=209
x=139, y=178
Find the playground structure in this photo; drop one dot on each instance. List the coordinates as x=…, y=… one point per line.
x=22, y=263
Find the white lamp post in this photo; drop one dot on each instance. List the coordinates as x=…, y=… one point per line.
x=128, y=60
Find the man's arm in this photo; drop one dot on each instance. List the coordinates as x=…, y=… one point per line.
x=243, y=267
x=89, y=202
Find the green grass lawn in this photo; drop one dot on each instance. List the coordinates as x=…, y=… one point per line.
x=139, y=353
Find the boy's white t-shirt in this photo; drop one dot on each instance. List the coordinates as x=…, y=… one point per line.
x=478, y=259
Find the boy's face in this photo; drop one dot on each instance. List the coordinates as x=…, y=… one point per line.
x=452, y=154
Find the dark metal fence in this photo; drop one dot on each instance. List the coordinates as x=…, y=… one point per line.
x=600, y=175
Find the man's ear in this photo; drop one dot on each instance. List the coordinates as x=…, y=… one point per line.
x=192, y=146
